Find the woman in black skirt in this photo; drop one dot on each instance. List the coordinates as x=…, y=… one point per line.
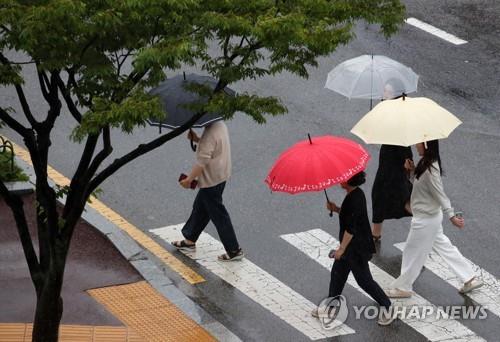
x=392, y=188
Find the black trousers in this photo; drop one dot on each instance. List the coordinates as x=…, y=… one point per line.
x=361, y=272
x=208, y=206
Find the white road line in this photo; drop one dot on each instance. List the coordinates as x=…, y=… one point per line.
x=257, y=284
x=487, y=296
x=317, y=243
x=435, y=31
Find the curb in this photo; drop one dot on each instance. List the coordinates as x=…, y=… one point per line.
x=19, y=188
x=142, y=260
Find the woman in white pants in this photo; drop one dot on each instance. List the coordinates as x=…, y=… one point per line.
x=428, y=203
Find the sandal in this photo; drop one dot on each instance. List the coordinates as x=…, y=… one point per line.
x=377, y=238
x=182, y=245
x=238, y=255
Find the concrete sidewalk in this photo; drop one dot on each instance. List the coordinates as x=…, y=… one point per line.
x=106, y=253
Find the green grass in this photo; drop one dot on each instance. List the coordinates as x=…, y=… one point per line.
x=6, y=173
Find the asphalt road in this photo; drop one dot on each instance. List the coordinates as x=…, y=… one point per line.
x=464, y=79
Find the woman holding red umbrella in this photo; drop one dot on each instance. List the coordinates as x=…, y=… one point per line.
x=356, y=248
x=315, y=165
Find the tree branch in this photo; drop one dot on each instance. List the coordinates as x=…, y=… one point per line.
x=101, y=156
x=69, y=100
x=74, y=85
x=54, y=103
x=16, y=206
x=22, y=98
x=14, y=124
x=76, y=180
x=43, y=80
x=80, y=183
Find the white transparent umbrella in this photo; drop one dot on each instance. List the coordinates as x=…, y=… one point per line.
x=368, y=77
x=405, y=121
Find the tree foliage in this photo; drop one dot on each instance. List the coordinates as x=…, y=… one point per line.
x=97, y=59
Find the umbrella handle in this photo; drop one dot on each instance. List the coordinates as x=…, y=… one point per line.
x=193, y=146
x=328, y=200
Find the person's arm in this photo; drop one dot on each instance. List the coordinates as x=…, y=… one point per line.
x=332, y=207
x=206, y=148
x=410, y=169
x=436, y=186
x=437, y=190
x=196, y=171
x=193, y=136
x=346, y=240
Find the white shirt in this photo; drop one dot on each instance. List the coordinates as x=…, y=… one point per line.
x=428, y=196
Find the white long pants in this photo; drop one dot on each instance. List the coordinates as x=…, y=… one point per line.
x=426, y=234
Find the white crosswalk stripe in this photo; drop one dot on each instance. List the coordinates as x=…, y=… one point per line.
x=257, y=284
x=487, y=296
x=435, y=31
x=317, y=243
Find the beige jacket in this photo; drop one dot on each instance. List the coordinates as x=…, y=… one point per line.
x=214, y=154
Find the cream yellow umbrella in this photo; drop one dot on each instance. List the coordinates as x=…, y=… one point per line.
x=405, y=121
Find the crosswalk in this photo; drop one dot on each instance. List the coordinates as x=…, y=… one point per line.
x=292, y=308
x=317, y=244
x=487, y=296
x=257, y=284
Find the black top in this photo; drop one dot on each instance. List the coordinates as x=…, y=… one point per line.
x=391, y=189
x=353, y=218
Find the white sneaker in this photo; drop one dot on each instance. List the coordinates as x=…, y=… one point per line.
x=319, y=312
x=397, y=293
x=386, y=317
x=471, y=285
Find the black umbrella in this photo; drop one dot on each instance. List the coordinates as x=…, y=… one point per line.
x=174, y=98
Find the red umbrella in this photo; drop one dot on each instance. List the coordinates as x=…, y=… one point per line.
x=317, y=164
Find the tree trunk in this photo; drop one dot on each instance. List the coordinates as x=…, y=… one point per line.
x=49, y=309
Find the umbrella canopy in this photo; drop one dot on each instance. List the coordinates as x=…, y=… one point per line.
x=405, y=122
x=174, y=98
x=317, y=164
x=369, y=77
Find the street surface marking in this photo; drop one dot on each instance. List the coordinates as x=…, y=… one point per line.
x=317, y=244
x=21, y=332
x=152, y=316
x=487, y=296
x=135, y=233
x=257, y=284
x=435, y=31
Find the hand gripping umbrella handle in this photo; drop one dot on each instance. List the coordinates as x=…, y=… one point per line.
x=328, y=200
x=193, y=146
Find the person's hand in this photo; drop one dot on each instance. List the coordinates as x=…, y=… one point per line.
x=186, y=183
x=458, y=221
x=338, y=253
x=330, y=206
x=193, y=136
x=409, y=165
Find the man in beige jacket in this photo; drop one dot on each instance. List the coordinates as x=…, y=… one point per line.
x=212, y=169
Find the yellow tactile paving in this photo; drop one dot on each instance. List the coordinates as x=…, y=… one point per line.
x=148, y=313
x=21, y=332
x=138, y=235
